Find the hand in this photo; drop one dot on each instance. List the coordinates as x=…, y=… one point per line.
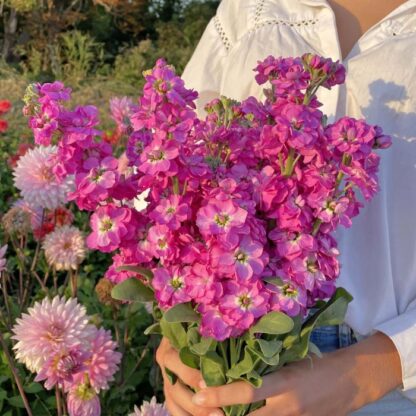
x=179, y=396
x=339, y=383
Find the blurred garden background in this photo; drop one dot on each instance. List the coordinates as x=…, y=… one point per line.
x=98, y=48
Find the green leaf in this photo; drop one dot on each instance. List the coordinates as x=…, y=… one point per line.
x=274, y=323
x=313, y=349
x=193, y=336
x=172, y=377
x=212, y=368
x=205, y=345
x=243, y=367
x=183, y=312
x=153, y=329
x=331, y=314
x=274, y=280
x=174, y=332
x=255, y=379
x=188, y=358
x=136, y=269
x=3, y=379
x=269, y=348
x=33, y=388
x=334, y=311
x=132, y=290
x=16, y=401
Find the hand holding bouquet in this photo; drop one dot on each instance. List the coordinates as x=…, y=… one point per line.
x=234, y=241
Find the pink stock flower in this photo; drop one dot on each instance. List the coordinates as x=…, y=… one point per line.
x=220, y=217
x=288, y=298
x=243, y=303
x=162, y=243
x=110, y=226
x=245, y=260
x=170, y=286
x=201, y=284
x=171, y=211
x=291, y=245
x=157, y=157
x=95, y=186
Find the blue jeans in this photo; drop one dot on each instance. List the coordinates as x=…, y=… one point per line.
x=331, y=338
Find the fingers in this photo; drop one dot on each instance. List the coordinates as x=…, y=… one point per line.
x=240, y=392
x=168, y=357
x=174, y=409
x=183, y=398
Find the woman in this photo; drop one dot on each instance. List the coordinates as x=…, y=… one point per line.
x=376, y=40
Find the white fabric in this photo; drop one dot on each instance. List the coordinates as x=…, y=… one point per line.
x=379, y=251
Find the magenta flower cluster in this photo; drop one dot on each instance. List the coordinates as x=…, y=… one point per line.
x=240, y=207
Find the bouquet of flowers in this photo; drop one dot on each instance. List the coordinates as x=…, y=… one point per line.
x=225, y=223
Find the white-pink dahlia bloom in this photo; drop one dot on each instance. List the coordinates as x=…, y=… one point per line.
x=37, y=183
x=121, y=110
x=104, y=360
x=48, y=327
x=64, y=248
x=151, y=408
x=3, y=260
x=83, y=401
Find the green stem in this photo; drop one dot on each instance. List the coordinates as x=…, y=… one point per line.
x=233, y=352
x=224, y=355
x=290, y=163
x=15, y=375
x=175, y=184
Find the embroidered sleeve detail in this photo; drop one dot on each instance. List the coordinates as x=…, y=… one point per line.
x=259, y=11
x=221, y=32
x=293, y=23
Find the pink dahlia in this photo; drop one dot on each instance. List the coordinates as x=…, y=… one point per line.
x=104, y=360
x=64, y=248
x=63, y=366
x=121, y=111
x=83, y=401
x=48, y=327
x=34, y=177
x=152, y=408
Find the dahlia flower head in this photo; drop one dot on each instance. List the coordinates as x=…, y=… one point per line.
x=242, y=206
x=56, y=341
x=64, y=248
x=83, y=401
x=150, y=408
x=37, y=183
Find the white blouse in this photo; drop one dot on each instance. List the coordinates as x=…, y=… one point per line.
x=379, y=251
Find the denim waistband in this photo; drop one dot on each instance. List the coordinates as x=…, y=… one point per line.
x=330, y=338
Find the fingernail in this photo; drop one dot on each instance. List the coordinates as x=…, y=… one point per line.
x=202, y=384
x=199, y=399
